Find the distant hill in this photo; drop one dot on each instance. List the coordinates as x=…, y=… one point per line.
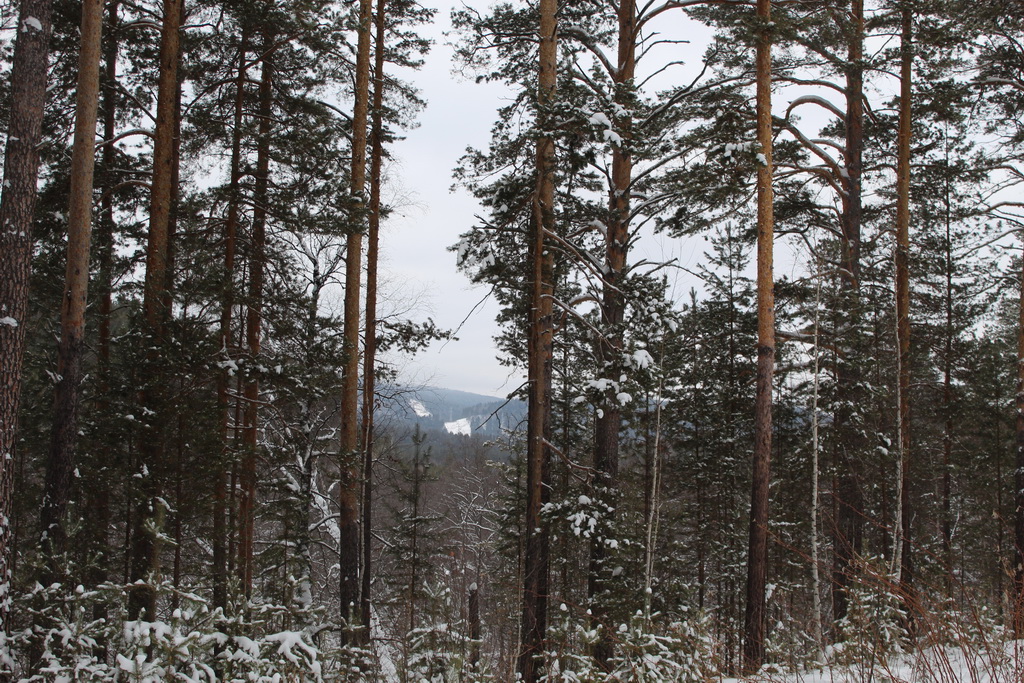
x=452, y=411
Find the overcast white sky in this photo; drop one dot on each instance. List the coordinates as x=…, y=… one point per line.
x=459, y=113
x=414, y=242
x=430, y=218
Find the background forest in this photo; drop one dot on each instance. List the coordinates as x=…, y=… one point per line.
x=212, y=468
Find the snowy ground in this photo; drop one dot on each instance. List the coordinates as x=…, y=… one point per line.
x=934, y=665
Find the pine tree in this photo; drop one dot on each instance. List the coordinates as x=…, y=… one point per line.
x=149, y=510
x=60, y=463
x=757, y=562
x=904, y=547
x=348, y=490
x=536, y=557
x=17, y=203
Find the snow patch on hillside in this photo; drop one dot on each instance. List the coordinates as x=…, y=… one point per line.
x=419, y=408
x=462, y=426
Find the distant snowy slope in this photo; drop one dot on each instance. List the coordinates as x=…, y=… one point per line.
x=451, y=411
x=463, y=426
x=418, y=408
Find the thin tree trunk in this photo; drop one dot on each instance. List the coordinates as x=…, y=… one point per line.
x=61, y=461
x=904, y=513
x=999, y=522
x=348, y=488
x=819, y=637
x=145, y=545
x=99, y=493
x=254, y=324
x=757, y=560
x=220, y=569
x=653, y=501
x=308, y=424
x=17, y=206
x=179, y=500
x=1018, y=481
x=414, y=560
x=105, y=225
x=474, y=627
x=536, y=564
x=947, y=409
x=370, y=334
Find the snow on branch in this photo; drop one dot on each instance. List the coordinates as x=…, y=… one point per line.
x=815, y=99
x=837, y=170
x=588, y=42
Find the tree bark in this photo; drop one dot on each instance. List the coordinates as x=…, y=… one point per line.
x=474, y=627
x=348, y=489
x=757, y=559
x=105, y=225
x=613, y=309
x=947, y=409
x=99, y=493
x=536, y=561
x=220, y=498
x=64, y=438
x=848, y=534
x=17, y=206
x=1018, y=481
x=370, y=333
x=905, y=514
x=254, y=323
x=145, y=546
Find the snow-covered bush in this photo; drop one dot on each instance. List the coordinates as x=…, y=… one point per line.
x=874, y=628
x=65, y=635
x=649, y=649
x=653, y=651
x=567, y=657
x=436, y=647
x=191, y=644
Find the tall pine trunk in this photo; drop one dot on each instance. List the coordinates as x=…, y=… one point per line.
x=370, y=334
x=947, y=407
x=220, y=497
x=17, y=206
x=536, y=561
x=145, y=551
x=105, y=225
x=613, y=310
x=1018, y=480
x=348, y=489
x=757, y=558
x=99, y=493
x=904, y=516
x=848, y=533
x=64, y=438
x=254, y=323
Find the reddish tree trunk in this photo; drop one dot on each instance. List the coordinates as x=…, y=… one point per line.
x=1018, y=482
x=60, y=464
x=17, y=206
x=849, y=523
x=903, y=313
x=370, y=334
x=348, y=489
x=536, y=561
x=145, y=547
x=220, y=497
x=254, y=325
x=757, y=554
